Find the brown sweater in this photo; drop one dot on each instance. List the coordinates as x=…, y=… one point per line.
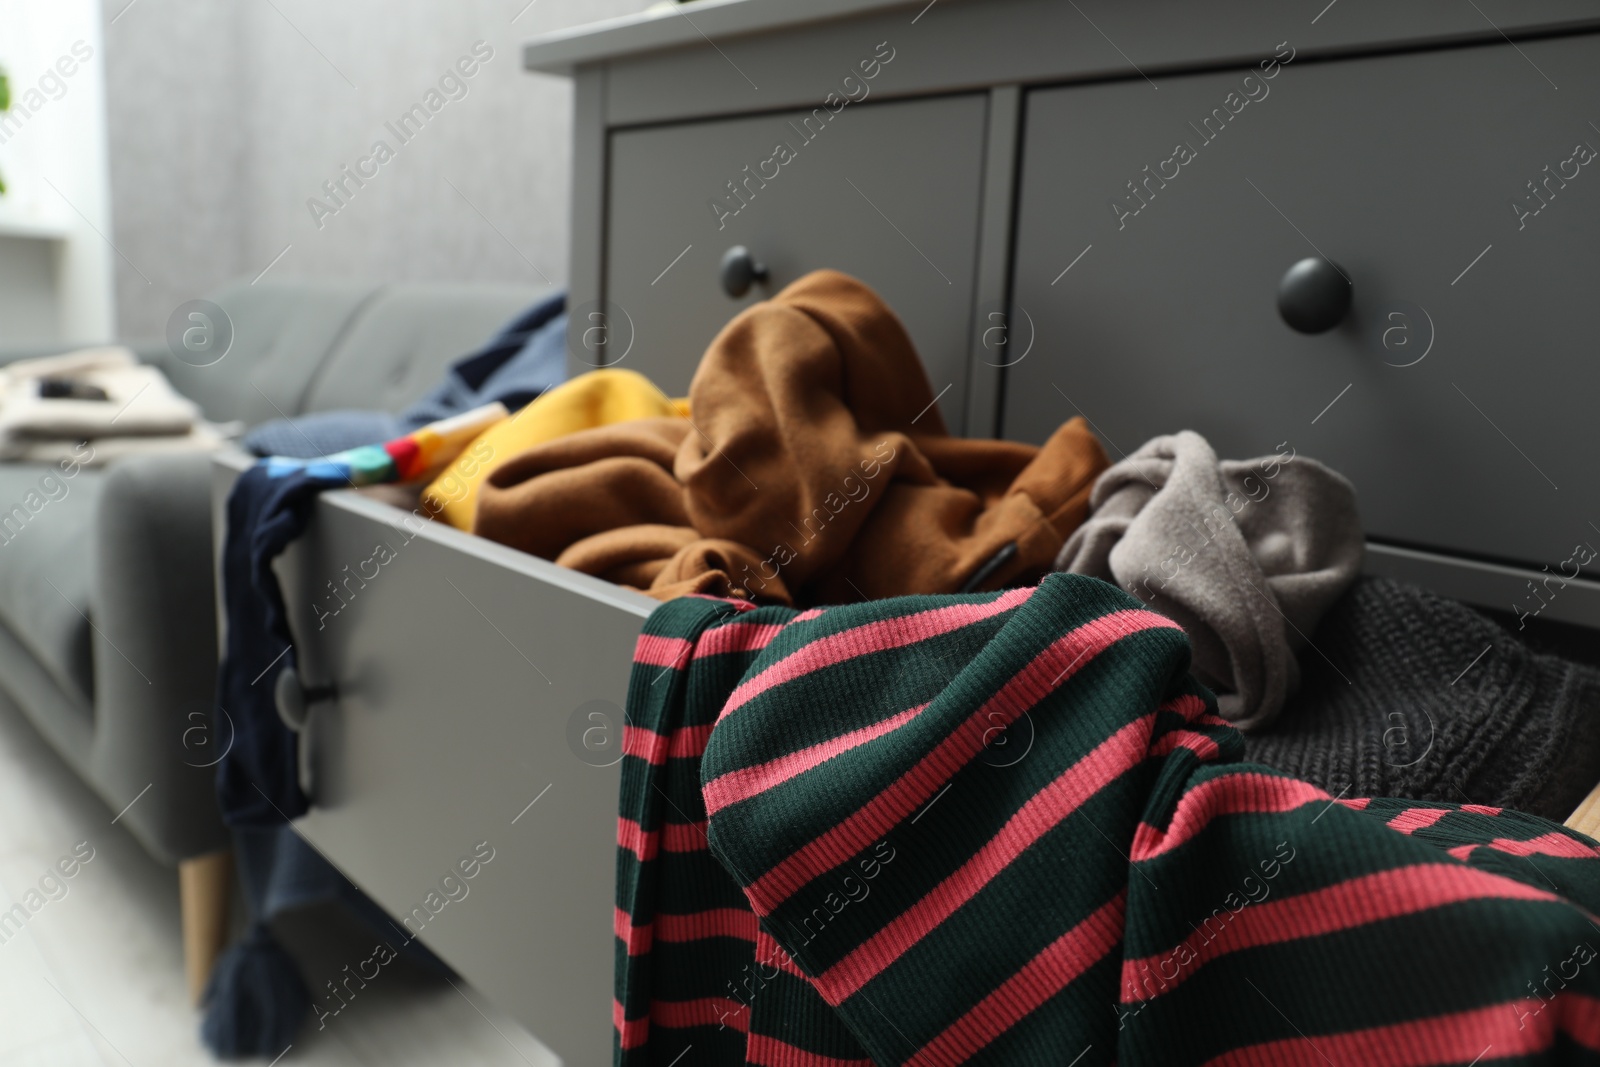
x=814, y=469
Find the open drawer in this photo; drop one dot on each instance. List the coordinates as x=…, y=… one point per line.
x=480, y=695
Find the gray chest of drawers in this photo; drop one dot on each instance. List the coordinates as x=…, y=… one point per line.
x=1087, y=208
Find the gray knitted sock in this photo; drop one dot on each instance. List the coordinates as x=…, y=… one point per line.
x=1389, y=706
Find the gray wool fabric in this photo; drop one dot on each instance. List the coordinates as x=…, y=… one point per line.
x=1409, y=695
x=1245, y=555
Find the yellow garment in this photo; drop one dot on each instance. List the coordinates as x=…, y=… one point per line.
x=598, y=398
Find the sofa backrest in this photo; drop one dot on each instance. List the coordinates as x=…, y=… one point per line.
x=314, y=345
x=283, y=330
x=400, y=341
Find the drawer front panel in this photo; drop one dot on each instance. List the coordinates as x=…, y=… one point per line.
x=469, y=678
x=886, y=192
x=1462, y=383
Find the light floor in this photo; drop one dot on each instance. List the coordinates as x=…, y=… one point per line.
x=97, y=978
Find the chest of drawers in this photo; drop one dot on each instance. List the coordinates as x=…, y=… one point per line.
x=1088, y=208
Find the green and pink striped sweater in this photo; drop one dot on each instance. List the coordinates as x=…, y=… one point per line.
x=1010, y=829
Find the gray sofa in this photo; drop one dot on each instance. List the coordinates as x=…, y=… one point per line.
x=108, y=633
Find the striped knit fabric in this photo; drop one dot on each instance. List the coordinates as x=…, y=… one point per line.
x=1009, y=829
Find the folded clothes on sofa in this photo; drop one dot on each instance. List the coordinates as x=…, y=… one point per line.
x=102, y=395
x=204, y=437
x=814, y=468
x=1010, y=828
x=1245, y=555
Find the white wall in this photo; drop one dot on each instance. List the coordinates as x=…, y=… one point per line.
x=53, y=156
x=227, y=116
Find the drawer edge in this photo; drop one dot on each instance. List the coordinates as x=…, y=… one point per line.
x=1487, y=585
x=228, y=465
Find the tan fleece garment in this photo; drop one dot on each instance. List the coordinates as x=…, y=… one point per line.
x=814, y=469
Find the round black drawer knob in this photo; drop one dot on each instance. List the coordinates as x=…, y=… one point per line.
x=1314, y=295
x=740, y=270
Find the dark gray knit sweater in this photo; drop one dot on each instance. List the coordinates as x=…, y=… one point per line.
x=1407, y=694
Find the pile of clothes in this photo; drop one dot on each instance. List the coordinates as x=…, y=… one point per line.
x=50, y=407
x=812, y=467
x=1212, y=794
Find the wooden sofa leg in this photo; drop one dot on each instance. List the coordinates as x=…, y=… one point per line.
x=204, y=883
x=1586, y=820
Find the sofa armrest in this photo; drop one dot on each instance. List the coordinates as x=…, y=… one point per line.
x=155, y=655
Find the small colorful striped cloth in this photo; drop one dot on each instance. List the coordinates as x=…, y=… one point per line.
x=1010, y=829
x=420, y=454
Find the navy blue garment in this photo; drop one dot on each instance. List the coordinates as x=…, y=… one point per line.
x=527, y=357
x=258, y=778
x=256, y=1000
x=322, y=433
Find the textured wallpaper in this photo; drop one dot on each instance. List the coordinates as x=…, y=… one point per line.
x=385, y=139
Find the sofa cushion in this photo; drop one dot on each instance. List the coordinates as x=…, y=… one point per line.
x=403, y=340
x=283, y=330
x=46, y=527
